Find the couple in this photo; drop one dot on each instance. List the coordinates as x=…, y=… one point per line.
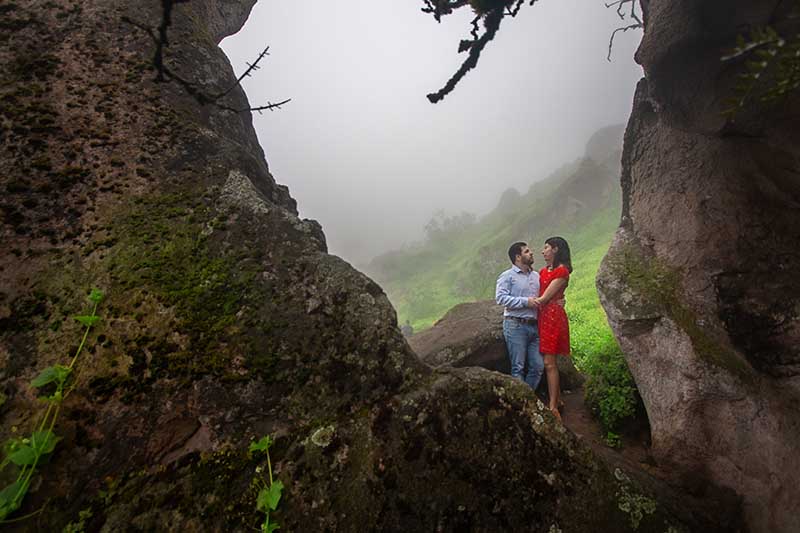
x=534, y=322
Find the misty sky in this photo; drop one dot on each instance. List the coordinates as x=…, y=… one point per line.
x=364, y=152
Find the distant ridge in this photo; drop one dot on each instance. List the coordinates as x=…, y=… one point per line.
x=580, y=201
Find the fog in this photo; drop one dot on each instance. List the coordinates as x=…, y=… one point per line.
x=364, y=152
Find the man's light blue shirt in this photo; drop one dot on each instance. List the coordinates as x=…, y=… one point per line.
x=514, y=287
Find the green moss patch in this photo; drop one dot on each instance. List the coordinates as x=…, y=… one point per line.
x=162, y=246
x=659, y=284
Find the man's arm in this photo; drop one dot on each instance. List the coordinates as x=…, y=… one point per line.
x=502, y=294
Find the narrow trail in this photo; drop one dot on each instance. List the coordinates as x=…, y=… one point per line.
x=633, y=454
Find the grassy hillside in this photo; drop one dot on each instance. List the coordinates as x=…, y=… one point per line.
x=580, y=202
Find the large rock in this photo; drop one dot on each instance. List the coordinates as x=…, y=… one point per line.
x=225, y=319
x=700, y=284
x=471, y=334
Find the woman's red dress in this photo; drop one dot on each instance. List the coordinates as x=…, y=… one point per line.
x=553, y=323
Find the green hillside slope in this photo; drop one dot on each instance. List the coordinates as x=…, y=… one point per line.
x=580, y=202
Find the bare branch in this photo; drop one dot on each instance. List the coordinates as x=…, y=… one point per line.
x=268, y=107
x=632, y=14
x=165, y=74
x=611, y=40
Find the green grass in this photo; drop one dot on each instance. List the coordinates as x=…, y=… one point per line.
x=425, y=282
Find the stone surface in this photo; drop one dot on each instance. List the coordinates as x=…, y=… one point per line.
x=471, y=334
x=700, y=284
x=225, y=320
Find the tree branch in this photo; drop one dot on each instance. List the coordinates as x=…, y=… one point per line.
x=165, y=74
x=620, y=6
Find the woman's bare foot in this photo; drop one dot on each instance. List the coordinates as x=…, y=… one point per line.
x=556, y=414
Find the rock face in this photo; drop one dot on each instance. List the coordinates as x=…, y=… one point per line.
x=225, y=320
x=701, y=282
x=471, y=334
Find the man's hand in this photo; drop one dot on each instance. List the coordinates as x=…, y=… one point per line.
x=533, y=302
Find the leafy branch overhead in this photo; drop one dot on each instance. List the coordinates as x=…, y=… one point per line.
x=490, y=12
x=771, y=67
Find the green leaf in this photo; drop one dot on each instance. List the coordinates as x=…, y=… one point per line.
x=23, y=456
x=274, y=495
x=57, y=373
x=87, y=320
x=44, y=441
x=262, y=445
x=272, y=526
x=11, y=496
x=262, y=500
x=96, y=295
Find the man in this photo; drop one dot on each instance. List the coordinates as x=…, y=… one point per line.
x=516, y=290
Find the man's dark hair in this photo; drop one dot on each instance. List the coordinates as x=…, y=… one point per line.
x=515, y=250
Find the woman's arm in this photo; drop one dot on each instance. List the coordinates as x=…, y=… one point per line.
x=552, y=289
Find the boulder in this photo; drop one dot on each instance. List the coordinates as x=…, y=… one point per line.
x=471, y=334
x=224, y=319
x=700, y=284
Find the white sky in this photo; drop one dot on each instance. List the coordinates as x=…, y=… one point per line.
x=364, y=152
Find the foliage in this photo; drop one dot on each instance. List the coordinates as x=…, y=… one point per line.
x=442, y=227
x=27, y=452
x=610, y=389
x=771, y=67
x=80, y=525
x=269, y=494
x=424, y=283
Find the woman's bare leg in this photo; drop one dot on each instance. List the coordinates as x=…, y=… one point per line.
x=553, y=386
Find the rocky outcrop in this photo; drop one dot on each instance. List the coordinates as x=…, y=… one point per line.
x=471, y=334
x=700, y=284
x=225, y=319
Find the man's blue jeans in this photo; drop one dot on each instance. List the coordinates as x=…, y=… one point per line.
x=522, y=341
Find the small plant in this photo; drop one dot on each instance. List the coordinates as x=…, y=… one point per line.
x=269, y=494
x=771, y=67
x=610, y=390
x=613, y=440
x=27, y=452
x=80, y=525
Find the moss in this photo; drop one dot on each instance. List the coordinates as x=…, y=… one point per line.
x=160, y=245
x=659, y=285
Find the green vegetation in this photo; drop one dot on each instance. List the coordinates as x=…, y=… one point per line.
x=27, y=452
x=771, y=66
x=461, y=264
x=269, y=494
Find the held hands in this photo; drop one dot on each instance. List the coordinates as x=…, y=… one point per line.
x=539, y=302
x=534, y=302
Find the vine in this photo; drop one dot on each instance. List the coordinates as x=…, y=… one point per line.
x=27, y=452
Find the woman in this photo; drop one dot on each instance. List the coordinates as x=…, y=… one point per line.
x=553, y=323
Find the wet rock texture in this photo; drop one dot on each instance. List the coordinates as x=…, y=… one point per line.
x=471, y=334
x=700, y=284
x=226, y=320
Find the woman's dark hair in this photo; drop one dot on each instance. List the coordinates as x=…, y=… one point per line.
x=515, y=250
x=562, y=256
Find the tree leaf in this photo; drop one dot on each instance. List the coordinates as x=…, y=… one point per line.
x=96, y=295
x=87, y=320
x=262, y=445
x=57, y=373
x=23, y=456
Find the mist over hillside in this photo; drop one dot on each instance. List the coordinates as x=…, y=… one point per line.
x=460, y=262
